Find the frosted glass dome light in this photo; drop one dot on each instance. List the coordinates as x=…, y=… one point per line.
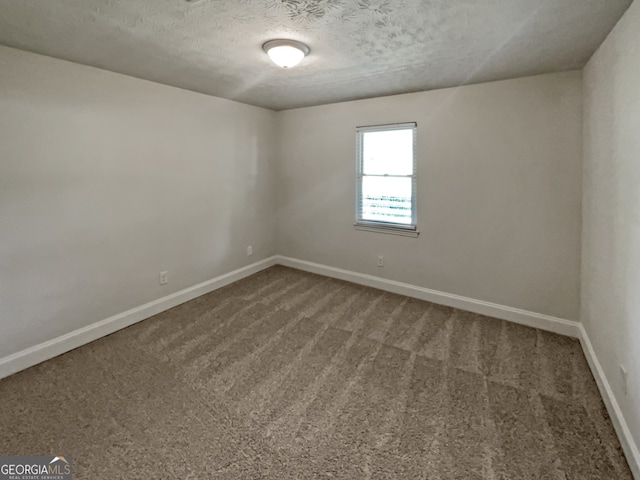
x=286, y=53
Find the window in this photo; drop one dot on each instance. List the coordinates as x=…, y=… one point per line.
x=386, y=179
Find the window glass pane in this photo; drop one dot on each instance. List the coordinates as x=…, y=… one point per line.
x=386, y=199
x=389, y=152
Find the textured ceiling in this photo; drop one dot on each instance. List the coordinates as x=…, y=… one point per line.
x=359, y=48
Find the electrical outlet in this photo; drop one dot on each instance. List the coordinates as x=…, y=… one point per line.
x=249, y=250
x=164, y=278
x=380, y=261
x=623, y=379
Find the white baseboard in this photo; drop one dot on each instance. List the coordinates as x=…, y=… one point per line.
x=617, y=418
x=531, y=319
x=524, y=317
x=57, y=346
x=39, y=353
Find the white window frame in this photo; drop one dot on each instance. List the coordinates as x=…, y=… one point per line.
x=409, y=230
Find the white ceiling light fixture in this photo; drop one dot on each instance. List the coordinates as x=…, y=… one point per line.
x=286, y=53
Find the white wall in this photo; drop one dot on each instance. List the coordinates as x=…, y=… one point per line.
x=105, y=180
x=499, y=191
x=611, y=210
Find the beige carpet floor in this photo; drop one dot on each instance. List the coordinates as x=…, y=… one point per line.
x=289, y=375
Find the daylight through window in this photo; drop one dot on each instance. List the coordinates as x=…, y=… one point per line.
x=386, y=176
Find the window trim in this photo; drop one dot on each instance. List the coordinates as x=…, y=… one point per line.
x=409, y=230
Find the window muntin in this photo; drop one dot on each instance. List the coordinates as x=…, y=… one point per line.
x=386, y=176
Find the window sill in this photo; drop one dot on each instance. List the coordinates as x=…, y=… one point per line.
x=403, y=232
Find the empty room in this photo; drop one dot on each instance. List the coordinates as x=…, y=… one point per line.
x=320, y=239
